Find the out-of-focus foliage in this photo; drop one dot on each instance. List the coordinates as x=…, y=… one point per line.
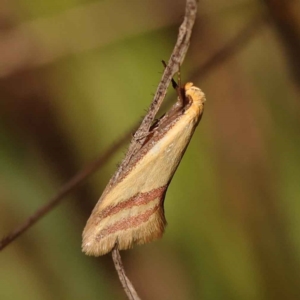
x=75, y=76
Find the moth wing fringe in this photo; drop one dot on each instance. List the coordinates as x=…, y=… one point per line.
x=146, y=232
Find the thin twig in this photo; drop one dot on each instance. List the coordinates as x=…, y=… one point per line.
x=176, y=59
x=126, y=284
x=71, y=185
x=219, y=57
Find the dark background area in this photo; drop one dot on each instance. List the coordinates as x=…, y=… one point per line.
x=76, y=75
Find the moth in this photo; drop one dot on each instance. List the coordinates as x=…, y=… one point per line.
x=131, y=210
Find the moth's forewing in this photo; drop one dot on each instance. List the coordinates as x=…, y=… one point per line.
x=131, y=211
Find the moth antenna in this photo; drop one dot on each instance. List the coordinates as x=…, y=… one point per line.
x=177, y=87
x=174, y=83
x=164, y=63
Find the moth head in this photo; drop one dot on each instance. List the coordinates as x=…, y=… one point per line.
x=194, y=93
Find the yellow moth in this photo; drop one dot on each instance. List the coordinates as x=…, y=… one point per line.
x=131, y=210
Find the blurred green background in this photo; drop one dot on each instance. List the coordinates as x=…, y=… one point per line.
x=76, y=75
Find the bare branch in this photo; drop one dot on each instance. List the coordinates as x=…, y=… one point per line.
x=71, y=185
x=126, y=284
x=176, y=59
